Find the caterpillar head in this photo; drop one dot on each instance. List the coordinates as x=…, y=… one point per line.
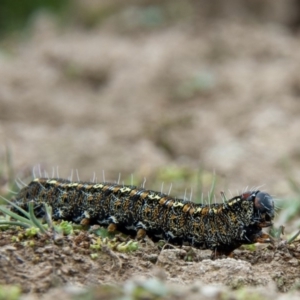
x=263, y=205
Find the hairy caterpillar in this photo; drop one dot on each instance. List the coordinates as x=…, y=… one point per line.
x=220, y=227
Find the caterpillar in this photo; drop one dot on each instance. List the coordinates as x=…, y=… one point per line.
x=221, y=227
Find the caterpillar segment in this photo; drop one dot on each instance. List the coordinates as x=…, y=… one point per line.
x=221, y=227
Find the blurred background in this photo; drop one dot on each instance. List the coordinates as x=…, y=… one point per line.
x=167, y=90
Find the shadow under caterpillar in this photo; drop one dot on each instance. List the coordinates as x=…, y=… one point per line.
x=221, y=227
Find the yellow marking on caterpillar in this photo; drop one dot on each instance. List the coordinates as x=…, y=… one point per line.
x=98, y=186
x=118, y=202
x=153, y=197
x=133, y=192
x=125, y=189
x=74, y=184
x=192, y=210
x=176, y=204
x=170, y=203
x=116, y=189
x=51, y=181
x=186, y=208
x=204, y=210
x=106, y=187
x=147, y=210
x=232, y=202
x=144, y=195
x=163, y=200
x=90, y=197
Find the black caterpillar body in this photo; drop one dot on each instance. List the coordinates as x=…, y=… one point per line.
x=220, y=227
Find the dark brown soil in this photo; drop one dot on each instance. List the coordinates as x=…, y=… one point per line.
x=52, y=263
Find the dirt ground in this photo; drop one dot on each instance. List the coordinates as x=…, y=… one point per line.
x=59, y=267
x=152, y=88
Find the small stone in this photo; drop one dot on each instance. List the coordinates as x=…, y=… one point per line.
x=294, y=262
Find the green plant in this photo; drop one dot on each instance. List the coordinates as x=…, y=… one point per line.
x=28, y=221
x=9, y=292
